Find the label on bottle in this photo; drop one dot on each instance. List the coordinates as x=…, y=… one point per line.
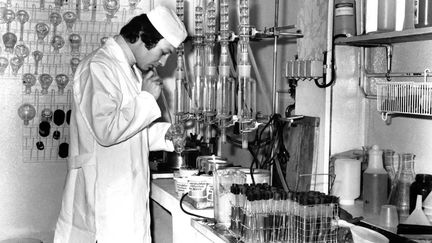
x=344, y=9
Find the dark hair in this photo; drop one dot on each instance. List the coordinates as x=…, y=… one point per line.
x=141, y=27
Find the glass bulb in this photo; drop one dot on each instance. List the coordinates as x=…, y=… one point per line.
x=75, y=43
x=37, y=55
x=57, y=42
x=133, y=4
x=103, y=40
x=47, y=115
x=9, y=17
x=70, y=18
x=4, y=63
x=111, y=8
x=42, y=31
x=3, y=9
x=9, y=41
x=29, y=80
x=62, y=80
x=22, y=51
x=22, y=17
x=45, y=81
x=55, y=19
x=16, y=63
x=86, y=5
x=26, y=112
x=74, y=64
x=58, y=4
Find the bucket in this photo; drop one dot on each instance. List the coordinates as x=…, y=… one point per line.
x=347, y=182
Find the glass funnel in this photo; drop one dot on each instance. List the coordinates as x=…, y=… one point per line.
x=16, y=63
x=62, y=80
x=55, y=19
x=37, y=56
x=75, y=43
x=133, y=4
x=400, y=189
x=26, y=112
x=29, y=80
x=45, y=81
x=70, y=18
x=9, y=41
x=8, y=18
x=22, y=17
x=4, y=63
x=42, y=31
x=22, y=51
x=57, y=42
x=74, y=63
x=111, y=7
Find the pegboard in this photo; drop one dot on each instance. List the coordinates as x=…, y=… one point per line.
x=93, y=24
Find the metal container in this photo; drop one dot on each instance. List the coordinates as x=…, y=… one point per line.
x=210, y=163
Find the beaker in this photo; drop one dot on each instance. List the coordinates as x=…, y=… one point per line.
x=400, y=190
x=222, y=196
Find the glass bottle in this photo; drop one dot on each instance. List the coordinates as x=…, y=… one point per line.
x=400, y=190
x=375, y=180
x=421, y=186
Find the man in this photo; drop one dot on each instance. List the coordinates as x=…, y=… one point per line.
x=106, y=197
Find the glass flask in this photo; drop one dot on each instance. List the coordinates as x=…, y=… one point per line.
x=75, y=43
x=22, y=17
x=111, y=8
x=4, y=63
x=9, y=41
x=57, y=42
x=70, y=18
x=55, y=19
x=8, y=18
x=400, y=189
x=37, y=56
x=74, y=63
x=42, y=31
x=16, y=63
x=26, y=112
x=29, y=80
x=61, y=80
x=22, y=51
x=45, y=81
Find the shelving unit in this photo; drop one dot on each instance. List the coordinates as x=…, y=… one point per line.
x=408, y=96
x=373, y=39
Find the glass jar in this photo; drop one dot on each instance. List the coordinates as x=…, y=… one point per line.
x=400, y=190
x=421, y=186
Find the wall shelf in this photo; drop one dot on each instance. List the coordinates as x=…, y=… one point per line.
x=411, y=35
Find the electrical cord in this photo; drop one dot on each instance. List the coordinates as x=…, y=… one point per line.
x=189, y=213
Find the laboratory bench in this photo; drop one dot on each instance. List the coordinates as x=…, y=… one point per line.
x=186, y=227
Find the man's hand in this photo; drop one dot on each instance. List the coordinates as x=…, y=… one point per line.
x=152, y=83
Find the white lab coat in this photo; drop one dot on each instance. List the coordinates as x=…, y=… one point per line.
x=106, y=196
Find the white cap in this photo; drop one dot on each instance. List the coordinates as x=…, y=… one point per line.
x=168, y=25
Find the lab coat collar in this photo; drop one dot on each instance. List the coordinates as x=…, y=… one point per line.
x=126, y=50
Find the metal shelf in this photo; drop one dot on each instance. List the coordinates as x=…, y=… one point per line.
x=411, y=35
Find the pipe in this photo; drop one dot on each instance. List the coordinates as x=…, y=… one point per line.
x=276, y=20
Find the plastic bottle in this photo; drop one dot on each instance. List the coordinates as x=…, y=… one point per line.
x=386, y=15
x=344, y=18
x=423, y=16
x=375, y=181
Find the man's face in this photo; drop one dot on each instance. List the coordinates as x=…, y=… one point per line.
x=156, y=56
